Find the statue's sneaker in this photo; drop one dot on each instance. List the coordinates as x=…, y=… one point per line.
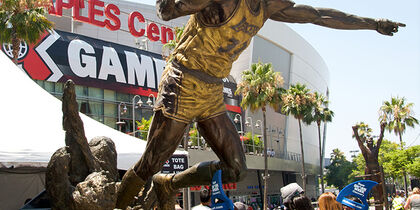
x=165, y=193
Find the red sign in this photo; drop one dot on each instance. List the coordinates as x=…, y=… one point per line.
x=97, y=8
x=230, y=186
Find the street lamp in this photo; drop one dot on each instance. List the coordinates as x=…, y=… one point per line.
x=139, y=104
x=252, y=131
x=240, y=126
x=150, y=102
x=120, y=123
x=260, y=125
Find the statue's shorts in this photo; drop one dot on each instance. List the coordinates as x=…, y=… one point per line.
x=187, y=95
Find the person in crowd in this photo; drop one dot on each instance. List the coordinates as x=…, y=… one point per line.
x=398, y=202
x=301, y=202
x=205, y=196
x=413, y=201
x=327, y=201
x=355, y=199
x=294, y=198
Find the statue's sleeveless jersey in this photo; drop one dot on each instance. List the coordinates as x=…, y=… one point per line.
x=213, y=48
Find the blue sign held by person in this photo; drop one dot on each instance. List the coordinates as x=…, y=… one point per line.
x=360, y=190
x=219, y=200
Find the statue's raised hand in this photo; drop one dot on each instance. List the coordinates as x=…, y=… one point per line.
x=387, y=27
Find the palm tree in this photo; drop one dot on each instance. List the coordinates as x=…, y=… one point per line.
x=261, y=87
x=397, y=115
x=299, y=102
x=321, y=113
x=23, y=20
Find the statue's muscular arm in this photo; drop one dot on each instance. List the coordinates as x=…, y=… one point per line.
x=288, y=11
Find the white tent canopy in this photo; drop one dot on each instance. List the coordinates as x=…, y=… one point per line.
x=31, y=123
x=31, y=131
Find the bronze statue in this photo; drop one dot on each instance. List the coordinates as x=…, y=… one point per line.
x=370, y=154
x=191, y=86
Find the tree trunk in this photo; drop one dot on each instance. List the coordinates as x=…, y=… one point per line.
x=404, y=173
x=265, y=159
x=303, y=156
x=384, y=193
x=16, y=48
x=321, y=173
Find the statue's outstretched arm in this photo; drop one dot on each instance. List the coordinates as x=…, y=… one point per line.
x=287, y=11
x=170, y=9
x=381, y=136
x=362, y=147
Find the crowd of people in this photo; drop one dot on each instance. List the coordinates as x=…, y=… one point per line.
x=400, y=202
x=294, y=199
x=327, y=201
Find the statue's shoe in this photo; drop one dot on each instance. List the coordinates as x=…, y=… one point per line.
x=130, y=186
x=165, y=193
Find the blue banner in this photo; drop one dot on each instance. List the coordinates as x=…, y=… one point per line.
x=219, y=200
x=360, y=190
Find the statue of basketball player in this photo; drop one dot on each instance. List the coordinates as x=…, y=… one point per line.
x=370, y=153
x=191, y=87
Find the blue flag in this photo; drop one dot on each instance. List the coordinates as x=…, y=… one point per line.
x=359, y=189
x=219, y=200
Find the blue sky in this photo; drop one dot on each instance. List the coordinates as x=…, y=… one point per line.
x=365, y=67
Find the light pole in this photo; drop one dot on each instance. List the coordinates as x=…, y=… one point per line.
x=150, y=102
x=120, y=123
x=258, y=125
x=241, y=127
x=252, y=131
x=139, y=103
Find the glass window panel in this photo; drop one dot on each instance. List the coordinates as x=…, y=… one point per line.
x=59, y=87
x=81, y=90
x=40, y=83
x=123, y=97
x=96, y=110
x=49, y=86
x=109, y=95
x=111, y=122
x=95, y=93
x=83, y=106
x=110, y=110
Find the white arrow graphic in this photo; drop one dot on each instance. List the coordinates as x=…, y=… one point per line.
x=42, y=51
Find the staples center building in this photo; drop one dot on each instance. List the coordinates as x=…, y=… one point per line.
x=112, y=50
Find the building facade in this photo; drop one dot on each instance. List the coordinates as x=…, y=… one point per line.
x=113, y=52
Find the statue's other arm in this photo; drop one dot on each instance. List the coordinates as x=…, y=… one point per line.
x=170, y=9
x=288, y=11
x=381, y=136
x=365, y=151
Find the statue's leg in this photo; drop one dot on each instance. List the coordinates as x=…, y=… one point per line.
x=164, y=137
x=223, y=138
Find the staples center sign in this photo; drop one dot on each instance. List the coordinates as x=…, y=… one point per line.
x=110, y=14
